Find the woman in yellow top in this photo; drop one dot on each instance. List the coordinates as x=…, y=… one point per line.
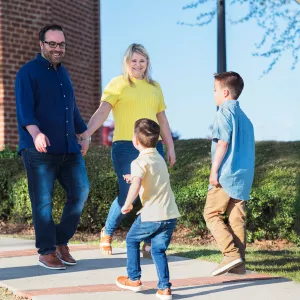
x=131, y=96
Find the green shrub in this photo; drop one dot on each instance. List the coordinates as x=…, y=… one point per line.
x=10, y=166
x=273, y=211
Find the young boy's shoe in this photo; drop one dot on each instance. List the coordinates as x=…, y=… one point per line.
x=239, y=270
x=146, y=250
x=165, y=294
x=105, y=242
x=124, y=282
x=227, y=264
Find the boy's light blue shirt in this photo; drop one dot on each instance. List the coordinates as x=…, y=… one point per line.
x=237, y=168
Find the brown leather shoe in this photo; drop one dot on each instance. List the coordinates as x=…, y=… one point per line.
x=65, y=256
x=165, y=294
x=125, y=283
x=51, y=261
x=105, y=243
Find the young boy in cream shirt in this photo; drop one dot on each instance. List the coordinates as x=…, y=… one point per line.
x=156, y=221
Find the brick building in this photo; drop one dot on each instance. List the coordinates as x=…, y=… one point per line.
x=20, y=22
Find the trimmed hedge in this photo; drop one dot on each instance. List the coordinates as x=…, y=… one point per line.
x=272, y=212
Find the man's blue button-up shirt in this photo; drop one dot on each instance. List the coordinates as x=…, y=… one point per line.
x=45, y=98
x=237, y=168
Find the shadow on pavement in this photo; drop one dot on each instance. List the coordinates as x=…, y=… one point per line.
x=222, y=288
x=82, y=266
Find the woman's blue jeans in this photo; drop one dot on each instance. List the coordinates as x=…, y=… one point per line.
x=122, y=154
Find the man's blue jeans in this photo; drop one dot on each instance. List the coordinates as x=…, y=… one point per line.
x=160, y=234
x=122, y=154
x=42, y=171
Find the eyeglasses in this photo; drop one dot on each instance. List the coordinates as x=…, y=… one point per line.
x=53, y=45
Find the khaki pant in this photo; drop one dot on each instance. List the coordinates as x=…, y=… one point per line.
x=231, y=238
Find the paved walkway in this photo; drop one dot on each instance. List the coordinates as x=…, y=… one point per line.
x=94, y=277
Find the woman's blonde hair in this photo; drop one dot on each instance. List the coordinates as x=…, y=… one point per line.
x=139, y=49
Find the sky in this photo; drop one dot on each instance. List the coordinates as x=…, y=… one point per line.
x=184, y=60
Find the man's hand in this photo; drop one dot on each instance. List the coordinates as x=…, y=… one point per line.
x=171, y=157
x=126, y=209
x=41, y=142
x=127, y=177
x=213, y=178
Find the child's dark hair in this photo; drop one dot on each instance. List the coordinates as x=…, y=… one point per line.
x=233, y=81
x=43, y=31
x=147, y=132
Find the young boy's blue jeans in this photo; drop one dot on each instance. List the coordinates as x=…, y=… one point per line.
x=122, y=154
x=160, y=234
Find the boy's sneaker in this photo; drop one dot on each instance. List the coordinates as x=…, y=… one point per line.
x=227, y=264
x=165, y=294
x=239, y=270
x=124, y=282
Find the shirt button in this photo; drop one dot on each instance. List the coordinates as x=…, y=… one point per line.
x=66, y=108
x=64, y=96
x=67, y=134
x=61, y=84
x=67, y=121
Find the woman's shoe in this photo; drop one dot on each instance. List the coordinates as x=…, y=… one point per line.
x=105, y=243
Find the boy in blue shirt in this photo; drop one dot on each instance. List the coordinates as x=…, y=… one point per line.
x=232, y=172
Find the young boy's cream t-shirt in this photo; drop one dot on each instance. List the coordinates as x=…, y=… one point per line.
x=156, y=194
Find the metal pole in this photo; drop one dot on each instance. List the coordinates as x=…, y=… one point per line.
x=221, y=52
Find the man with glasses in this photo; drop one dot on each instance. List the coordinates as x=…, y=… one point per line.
x=50, y=126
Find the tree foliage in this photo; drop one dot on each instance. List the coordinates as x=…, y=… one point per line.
x=279, y=19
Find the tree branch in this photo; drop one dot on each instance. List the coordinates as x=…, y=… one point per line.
x=280, y=19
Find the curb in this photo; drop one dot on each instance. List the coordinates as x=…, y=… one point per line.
x=198, y=281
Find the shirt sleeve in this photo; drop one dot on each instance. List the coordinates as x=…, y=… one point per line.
x=222, y=128
x=162, y=105
x=137, y=169
x=79, y=124
x=24, y=91
x=112, y=92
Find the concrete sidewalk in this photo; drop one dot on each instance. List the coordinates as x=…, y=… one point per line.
x=94, y=277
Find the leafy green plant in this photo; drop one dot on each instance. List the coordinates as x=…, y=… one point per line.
x=272, y=212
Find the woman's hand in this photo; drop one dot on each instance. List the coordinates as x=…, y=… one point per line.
x=126, y=209
x=167, y=137
x=85, y=144
x=171, y=157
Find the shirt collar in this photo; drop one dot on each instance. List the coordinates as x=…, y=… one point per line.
x=136, y=80
x=148, y=151
x=228, y=103
x=44, y=61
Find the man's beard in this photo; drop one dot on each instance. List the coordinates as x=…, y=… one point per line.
x=50, y=56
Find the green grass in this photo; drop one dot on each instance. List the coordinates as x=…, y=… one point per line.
x=284, y=263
